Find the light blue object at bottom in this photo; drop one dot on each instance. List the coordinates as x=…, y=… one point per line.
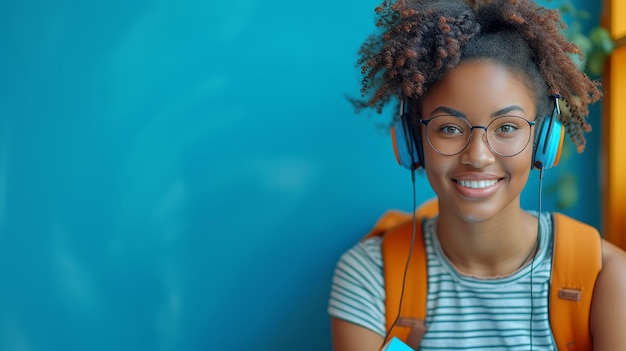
x=396, y=345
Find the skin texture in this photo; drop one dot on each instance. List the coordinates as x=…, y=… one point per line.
x=608, y=308
x=474, y=228
x=497, y=234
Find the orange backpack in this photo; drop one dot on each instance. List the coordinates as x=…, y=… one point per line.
x=577, y=260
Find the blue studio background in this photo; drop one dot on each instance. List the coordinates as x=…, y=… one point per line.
x=183, y=175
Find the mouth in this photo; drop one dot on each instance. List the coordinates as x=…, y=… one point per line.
x=476, y=184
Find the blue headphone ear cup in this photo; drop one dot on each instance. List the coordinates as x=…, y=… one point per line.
x=550, y=143
x=404, y=146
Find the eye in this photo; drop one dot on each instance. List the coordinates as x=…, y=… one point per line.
x=450, y=129
x=507, y=128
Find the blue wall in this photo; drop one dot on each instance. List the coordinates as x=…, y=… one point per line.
x=183, y=175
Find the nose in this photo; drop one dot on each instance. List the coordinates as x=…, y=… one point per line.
x=477, y=153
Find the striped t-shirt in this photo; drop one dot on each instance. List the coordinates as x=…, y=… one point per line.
x=463, y=313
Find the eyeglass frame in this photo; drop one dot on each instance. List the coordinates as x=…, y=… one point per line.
x=425, y=122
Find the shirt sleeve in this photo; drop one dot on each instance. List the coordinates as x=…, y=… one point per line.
x=357, y=292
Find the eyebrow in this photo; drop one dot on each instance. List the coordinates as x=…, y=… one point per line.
x=506, y=110
x=453, y=112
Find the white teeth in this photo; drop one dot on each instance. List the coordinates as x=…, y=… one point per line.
x=476, y=184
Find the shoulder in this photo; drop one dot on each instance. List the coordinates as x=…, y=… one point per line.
x=366, y=252
x=357, y=293
x=612, y=256
x=361, y=264
x=613, y=267
x=613, y=273
x=608, y=308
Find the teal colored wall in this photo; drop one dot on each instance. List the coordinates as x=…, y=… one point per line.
x=183, y=175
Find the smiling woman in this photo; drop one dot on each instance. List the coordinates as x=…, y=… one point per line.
x=504, y=94
x=478, y=85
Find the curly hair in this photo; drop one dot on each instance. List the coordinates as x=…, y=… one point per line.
x=419, y=41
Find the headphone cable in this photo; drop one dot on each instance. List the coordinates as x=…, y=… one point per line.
x=408, y=260
x=532, y=263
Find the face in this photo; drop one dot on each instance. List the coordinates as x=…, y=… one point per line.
x=477, y=184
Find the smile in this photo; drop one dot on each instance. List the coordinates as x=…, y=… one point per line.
x=476, y=184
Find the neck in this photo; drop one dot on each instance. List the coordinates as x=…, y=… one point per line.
x=492, y=248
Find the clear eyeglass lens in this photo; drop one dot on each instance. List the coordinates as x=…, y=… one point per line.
x=505, y=136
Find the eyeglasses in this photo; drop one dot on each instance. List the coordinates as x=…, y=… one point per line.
x=506, y=135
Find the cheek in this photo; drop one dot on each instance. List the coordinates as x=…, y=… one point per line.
x=432, y=157
x=437, y=166
x=521, y=165
x=527, y=156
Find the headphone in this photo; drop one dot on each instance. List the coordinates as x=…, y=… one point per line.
x=408, y=147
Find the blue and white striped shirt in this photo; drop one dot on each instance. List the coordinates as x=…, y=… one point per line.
x=463, y=313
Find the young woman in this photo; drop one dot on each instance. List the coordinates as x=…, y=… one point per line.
x=475, y=79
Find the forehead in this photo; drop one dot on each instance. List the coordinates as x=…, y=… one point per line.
x=479, y=88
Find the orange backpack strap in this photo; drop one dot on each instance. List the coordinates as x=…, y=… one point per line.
x=393, y=218
x=576, y=264
x=397, y=231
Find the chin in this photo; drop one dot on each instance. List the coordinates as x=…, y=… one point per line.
x=480, y=211
x=475, y=217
